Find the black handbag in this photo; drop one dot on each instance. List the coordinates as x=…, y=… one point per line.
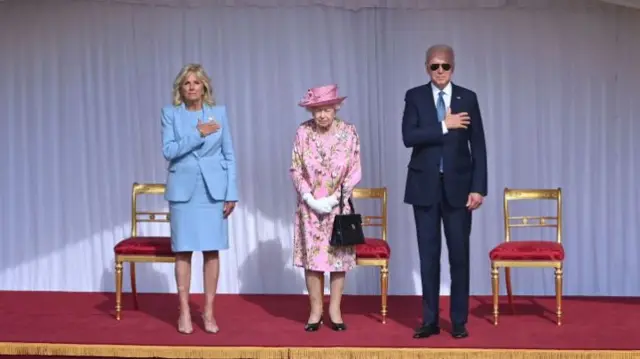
x=347, y=228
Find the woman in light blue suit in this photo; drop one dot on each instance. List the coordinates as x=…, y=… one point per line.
x=201, y=185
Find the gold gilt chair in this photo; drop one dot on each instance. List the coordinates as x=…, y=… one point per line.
x=530, y=253
x=375, y=251
x=135, y=249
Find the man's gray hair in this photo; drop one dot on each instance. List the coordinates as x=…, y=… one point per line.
x=440, y=49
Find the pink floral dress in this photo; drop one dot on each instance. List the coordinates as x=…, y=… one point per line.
x=320, y=165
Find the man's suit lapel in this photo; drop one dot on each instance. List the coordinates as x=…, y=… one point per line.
x=428, y=93
x=456, y=99
x=429, y=103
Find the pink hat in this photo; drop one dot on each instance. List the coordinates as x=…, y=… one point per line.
x=321, y=96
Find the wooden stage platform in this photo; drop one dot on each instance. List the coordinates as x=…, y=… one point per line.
x=271, y=327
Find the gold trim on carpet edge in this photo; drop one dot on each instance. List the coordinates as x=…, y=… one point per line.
x=149, y=351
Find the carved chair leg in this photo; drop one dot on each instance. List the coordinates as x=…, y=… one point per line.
x=495, y=288
x=134, y=287
x=384, y=289
x=558, y=274
x=507, y=278
x=118, y=289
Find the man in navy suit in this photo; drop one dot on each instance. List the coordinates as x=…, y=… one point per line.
x=446, y=181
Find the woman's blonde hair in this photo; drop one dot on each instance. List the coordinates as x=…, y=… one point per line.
x=201, y=74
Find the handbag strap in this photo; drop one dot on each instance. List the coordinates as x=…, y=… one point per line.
x=353, y=211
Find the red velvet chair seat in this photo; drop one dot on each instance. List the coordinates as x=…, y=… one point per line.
x=145, y=246
x=373, y=248
x=528, y=251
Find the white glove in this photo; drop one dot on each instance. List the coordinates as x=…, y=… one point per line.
x=318, y=206
x=332, y=201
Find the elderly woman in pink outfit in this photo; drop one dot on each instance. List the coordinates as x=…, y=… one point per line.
x=326, y=156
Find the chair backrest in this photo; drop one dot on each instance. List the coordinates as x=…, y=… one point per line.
x=145, y=216
x=379, y=194
x=555, y=221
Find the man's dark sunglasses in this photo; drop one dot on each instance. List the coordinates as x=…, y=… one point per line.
x=445, y=67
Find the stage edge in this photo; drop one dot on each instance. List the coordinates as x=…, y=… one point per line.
x=143, y=351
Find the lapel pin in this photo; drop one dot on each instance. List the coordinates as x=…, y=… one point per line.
x=458, y=98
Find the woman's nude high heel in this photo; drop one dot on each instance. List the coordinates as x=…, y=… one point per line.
x=210, y=325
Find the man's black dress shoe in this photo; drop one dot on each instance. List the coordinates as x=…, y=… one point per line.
x=312, y=327
x=459, y=331
x=338, y=327
x=426, y=331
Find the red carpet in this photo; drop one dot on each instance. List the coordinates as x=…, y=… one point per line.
x=277, y=321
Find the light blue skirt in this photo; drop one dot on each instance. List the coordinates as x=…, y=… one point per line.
x=198, y=225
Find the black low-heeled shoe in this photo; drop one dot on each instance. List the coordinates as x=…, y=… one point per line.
x=313, y=327
x=338, y=327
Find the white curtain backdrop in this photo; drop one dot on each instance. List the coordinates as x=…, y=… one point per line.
x=83, y=83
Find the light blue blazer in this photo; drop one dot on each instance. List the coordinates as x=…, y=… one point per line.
x=189, y=155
